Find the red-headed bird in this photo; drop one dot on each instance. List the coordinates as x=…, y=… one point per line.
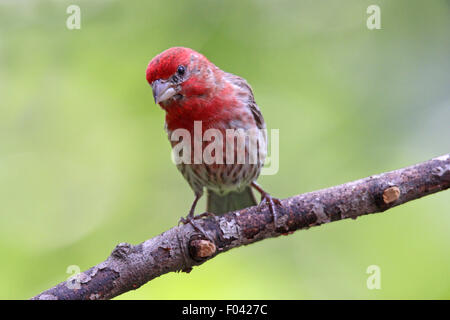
x=190, y=88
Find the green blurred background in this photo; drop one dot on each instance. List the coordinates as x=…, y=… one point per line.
x=85, y=162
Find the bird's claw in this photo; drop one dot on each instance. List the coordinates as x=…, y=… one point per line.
x=271, y=202
x=191, y=220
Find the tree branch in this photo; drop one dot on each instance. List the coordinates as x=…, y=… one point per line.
x=180, y=248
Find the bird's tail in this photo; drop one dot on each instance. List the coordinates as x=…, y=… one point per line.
x=231, y=201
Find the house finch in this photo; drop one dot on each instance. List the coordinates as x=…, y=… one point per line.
x=191, y=89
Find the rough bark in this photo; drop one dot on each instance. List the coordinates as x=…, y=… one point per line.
x=182, y=247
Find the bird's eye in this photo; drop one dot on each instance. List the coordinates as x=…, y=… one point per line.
x=181, y=70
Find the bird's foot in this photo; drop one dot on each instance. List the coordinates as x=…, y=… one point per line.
x=271, y=202
x=190, y=218
x=266, y=198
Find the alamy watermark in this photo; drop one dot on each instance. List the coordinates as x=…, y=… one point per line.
x=74, y=20
x=374, y=280
x=226, y=146
x=74, y=281
x=374, y=20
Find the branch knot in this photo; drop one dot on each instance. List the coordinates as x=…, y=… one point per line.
x=121, y=251
x=201, y=249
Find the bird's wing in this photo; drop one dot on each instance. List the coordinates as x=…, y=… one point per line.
x=243, y=84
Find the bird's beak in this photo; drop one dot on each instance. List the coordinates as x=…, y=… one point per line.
x=162, y=90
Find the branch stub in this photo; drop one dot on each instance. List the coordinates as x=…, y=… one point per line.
x=391, y=194
x=201, y=249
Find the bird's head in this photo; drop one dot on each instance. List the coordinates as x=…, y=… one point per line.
x=178, y=74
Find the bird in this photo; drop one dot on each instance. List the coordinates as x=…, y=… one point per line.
x=191, y=89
